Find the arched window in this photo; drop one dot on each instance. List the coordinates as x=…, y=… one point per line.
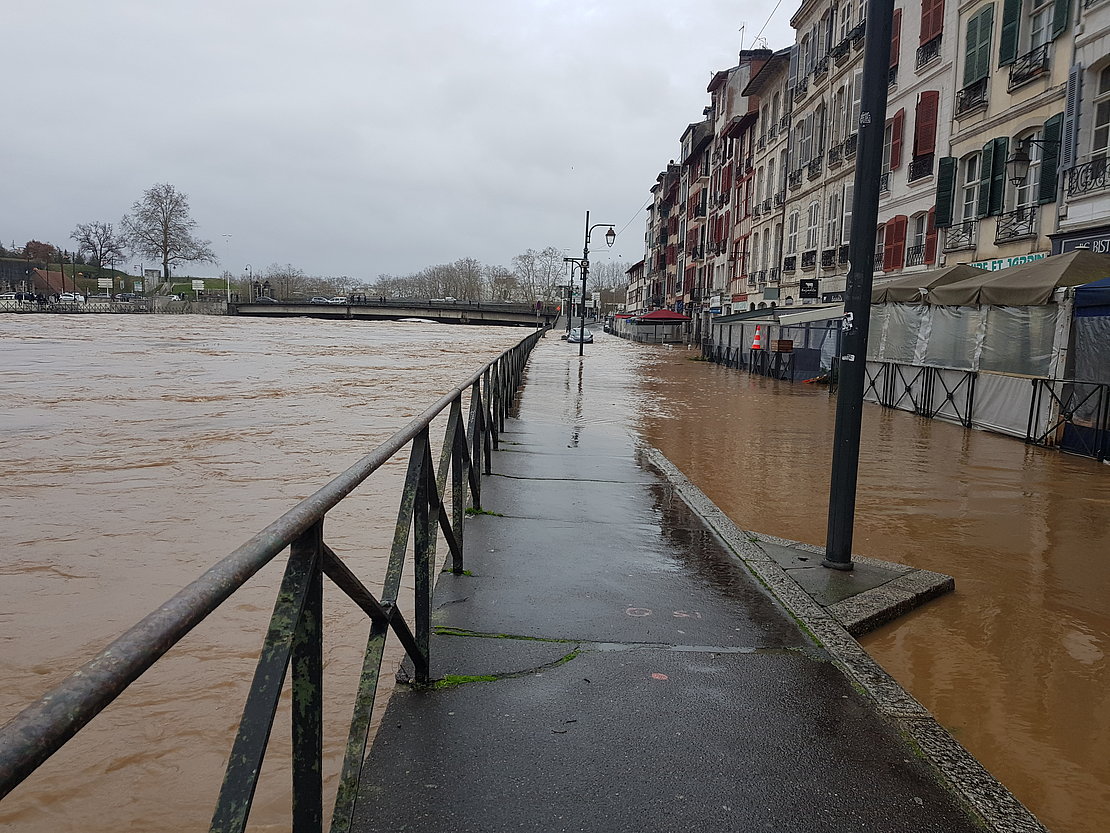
x=918, y=230
x=1025, y=194
x=813, y=219
x=790, y=300
x=792, y=233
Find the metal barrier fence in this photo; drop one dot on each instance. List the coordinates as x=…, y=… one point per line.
x=295, y=634
x=1080, y=416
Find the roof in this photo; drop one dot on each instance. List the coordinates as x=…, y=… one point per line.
x=663, y=316
x=719, y=78
x=49, y=282
x=766, y=74
x=738, y=124
x=1030, y=284
x=637, y=265
x=702, y=133
x=907, y=289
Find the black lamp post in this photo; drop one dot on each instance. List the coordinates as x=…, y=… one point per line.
x=584, y=267
x=1017, y=166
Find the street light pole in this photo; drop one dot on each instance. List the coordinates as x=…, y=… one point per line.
x=584, y=268
x=250, y=283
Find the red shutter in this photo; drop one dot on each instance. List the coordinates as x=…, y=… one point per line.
x=895, y=36
x=932, y=19
x=898, y=253
x=726, y=178
x=888, y=245
x=931, y=237
x=925, y=131
x=897, y=128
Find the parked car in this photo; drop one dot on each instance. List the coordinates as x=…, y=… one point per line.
x=338, y=299
x=577, y=335
x=265, y=299
x=71, y=298
x=126, y=297
x=319, y=300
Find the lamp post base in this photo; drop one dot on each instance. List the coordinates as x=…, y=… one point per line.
x=846, y=566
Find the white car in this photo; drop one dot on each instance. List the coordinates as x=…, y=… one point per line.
x=71, y=298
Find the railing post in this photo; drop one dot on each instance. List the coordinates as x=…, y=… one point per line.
x=308, y=705
x=458, y=488
x=423, y=531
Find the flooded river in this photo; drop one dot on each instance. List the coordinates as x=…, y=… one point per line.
x=138, y=450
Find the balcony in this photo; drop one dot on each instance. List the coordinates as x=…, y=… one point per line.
x=842, y=50
x=700, y=210
x=1085, y=178
x=760, y=277
x=842, y=255
x=880, y=262
x=784, y=123
x=884, y=183
x=780, y=199
x=850, y=145
x=971, y=98
x=1019, y=224
x=809, y=259
x=1032, y=64
x=751, y=280
x=795, y=179
x=856, y=35
x=828, y=258
x=773, y=275
x=761, y=142
x=961, y=236
x=892, y=77
x=815, y=166
x=749, y=165
x=790, y=263
x=801, y=89
x=821, y=67
x=757, y=210
x=697, y=252
x=915, y=255
x=766, y=206
x=921, y=167
x=772, y=131
x=928, y=52
x=835, y=155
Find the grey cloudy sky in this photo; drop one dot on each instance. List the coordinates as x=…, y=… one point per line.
x=359, y=138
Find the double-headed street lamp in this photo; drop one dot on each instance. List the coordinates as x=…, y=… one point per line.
x=584, y=267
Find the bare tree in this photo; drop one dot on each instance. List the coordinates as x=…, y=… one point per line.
x=502, y=283
x=161, y=226
x=100, y=242
x=287, y=281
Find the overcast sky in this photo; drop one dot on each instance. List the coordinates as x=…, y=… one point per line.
x=359, y=138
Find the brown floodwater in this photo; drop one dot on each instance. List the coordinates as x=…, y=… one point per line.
x=137, y=451
x=1014, y=663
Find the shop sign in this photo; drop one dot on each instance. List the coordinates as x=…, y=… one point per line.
x=808, y=288
x=739, y=299
x=832, y=297
x=1007, y=262
x=1098, y=243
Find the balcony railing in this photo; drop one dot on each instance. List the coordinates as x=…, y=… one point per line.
x=772, y=131
x=815, y=165
x=809, y=259
x=761, y=142
x=915, y=255
x=842, y=255
x=928, y=52
x=801, y=89
x=842, y=50
x=1032, y=64
x=699, y=210
x=850, y=145
x=972, y=97
x=1088, y=177
x=921, y=166
x=828, y=258
x=1017, y=224
x=880, y=261
x=790, y=263
x=835, y=155
x=821, y=67
x=766, y=206
x=760, y=276
x=780, y=198
x=773, y=275
x=892, y=76
x=961, y=236
x=757, y=209
x=857, y=34
x=784, y=123
x=884, y=183
x=795, y=179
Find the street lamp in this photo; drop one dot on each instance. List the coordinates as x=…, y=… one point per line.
x=584, y=267
x=1017, y=166
x=250, y=282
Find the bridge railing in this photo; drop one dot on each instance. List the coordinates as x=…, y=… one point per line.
x=295, y=635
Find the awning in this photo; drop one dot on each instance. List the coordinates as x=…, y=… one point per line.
x=661, y=316
x=1030, y=284
x=1093, y=299
x=907, y=288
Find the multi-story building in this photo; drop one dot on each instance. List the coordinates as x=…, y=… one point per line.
x=660, y=240
x=1011, y=72
x=1084, y=209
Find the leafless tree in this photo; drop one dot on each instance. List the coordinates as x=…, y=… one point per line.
x=161, y=226
x=100, y=242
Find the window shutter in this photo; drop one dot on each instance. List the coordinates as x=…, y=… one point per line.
x=978, y=57
x=931, y=237
x=895, y=36
x=1050, y=159
x=925, y=133
x=1011, y=26
x=1060, y=15
x=888, y=245
x=793, y=80
x=848, y=206
x=896, y=130
x=932, y=19
x=898, y=254
x=998, y=175
x=946, y=189
x=1070, y=130
x=982, y=206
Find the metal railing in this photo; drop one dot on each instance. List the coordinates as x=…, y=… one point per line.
x=814, y=167
x=828, y=258
x=1017, y=224
x=1032, y=64
x=1079, y=416
x=971, y=97
x=961, y=236
x=884, y=182
x=928, y=52
x=295, y=635
x=1090, y=176
x=809, y=259
x=921, y=166
x=915, y=255
x=790, y=263
x=849, y=145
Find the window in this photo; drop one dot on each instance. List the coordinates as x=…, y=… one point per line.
x=888, y=138
x=880, y=248
x=784, y=169
x=1026, y=194
x=846, y=204
x=977, y=52
x=755, y=267
x=832, y=219
x=857, y=92
x=813, y=225
x=819, y=119
x=776, y=253
x=765, y=258
x=1100, y=130
x=792, y=233
x=1040, y=23
x=969, y=186
x=776, y=105
x=771, y=184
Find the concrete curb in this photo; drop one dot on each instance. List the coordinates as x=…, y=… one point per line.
x=833, y=626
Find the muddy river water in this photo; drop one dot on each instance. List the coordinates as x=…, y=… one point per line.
x=137, y=450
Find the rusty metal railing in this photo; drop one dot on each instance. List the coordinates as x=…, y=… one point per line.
x=295, y=635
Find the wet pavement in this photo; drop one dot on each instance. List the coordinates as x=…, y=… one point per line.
x=619, y=658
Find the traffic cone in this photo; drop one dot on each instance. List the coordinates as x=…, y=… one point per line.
x=757, y=343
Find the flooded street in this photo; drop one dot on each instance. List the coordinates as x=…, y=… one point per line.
x=1014, y=662
x=138, y=450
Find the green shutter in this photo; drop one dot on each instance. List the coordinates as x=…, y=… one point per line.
x=1046, y=190
x=946, y=189
x=971, y=43
x=1060, y=15
x=977, y=60
x=1011, y=25
x=998, y=176
x=986, y=165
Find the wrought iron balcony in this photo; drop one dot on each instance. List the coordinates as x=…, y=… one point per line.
x=972, y=97
x=766, y=206
x=821, y=67
x=795, y=179
x=697, y=252
x=760, y=276
x=1016, y=225
x=884, y=183
x=751, y=280
x=790, y=263
x=857, y=34
x=784, y=123
x=880, y=261
x=757, y=209
x=921, y=166
x=761, y=142
x=828, y=258
x=815, y=166
x=801, y=89
x=928, y=52
x=780, y=198
x=773, y=275
x=749, y=165
x=1088, y=177
x=842, y=255
x=809, y=259
x=915, y=255
x=835, y=155
x=1032, y=64
x=961, y=236
x=772, y=131
x=842, y=50
x=892, y=76
x=850, y=145
x=699, y=209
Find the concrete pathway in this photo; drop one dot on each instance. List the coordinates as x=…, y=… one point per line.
x=616, y=660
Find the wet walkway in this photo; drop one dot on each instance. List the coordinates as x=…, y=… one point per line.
x=610, y=663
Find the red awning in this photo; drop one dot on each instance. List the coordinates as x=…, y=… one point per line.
x=664, y=316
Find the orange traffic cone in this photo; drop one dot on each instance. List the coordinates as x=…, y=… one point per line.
x=757, y=343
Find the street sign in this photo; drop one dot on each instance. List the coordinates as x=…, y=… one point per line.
x=198, y=285
x=104, y=283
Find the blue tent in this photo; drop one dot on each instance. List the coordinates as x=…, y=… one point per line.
x=1093, y=299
